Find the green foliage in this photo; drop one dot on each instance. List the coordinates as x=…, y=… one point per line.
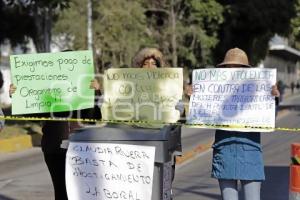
x=15, y=24
x=71, y=26
x=294, y=37
x=204, y=30
x=198, y=32
x=249, y=25
x=197, y=23
x=32, y=18
x=120, y=29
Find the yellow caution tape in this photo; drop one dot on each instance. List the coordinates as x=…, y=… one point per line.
x=46, y=119
x=134, y=122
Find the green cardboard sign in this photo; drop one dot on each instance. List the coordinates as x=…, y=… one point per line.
x=52, y=82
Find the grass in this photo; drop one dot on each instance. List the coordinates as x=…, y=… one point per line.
x=18, y=129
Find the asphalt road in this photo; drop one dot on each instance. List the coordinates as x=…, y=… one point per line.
x=24, y=176
x=193, y=182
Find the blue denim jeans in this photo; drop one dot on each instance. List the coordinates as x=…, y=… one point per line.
x=229, y=189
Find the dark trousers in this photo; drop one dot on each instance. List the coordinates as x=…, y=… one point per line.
x=56, y=165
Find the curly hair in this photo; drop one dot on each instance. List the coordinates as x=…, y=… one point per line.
x=147, y=53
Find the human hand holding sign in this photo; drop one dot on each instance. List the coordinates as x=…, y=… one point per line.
x=188, y=90
x=12, y=89
x=95, y=85
x=275, y=92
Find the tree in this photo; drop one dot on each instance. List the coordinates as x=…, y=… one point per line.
x=38, y=15
x=250, y=25
x=294, y=37
x=186, y=29
x=119, y=29
x=199, y=27
x=70, y=26
x=16, y=25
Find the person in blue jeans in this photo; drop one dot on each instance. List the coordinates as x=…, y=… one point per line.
x=237, y=156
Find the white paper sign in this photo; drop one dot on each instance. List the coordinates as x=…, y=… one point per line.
x=100, y=171
x=236, y=97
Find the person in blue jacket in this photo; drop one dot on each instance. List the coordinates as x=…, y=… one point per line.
x=237, y=156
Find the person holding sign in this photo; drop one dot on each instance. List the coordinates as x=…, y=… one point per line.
x=54, y=132
x=149, y=58
x=237, y=156
x=152, y=58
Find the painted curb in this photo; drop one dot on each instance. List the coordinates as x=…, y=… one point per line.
x=20, y=143
x=14, y=144
x=186, y=156
x=191, y=154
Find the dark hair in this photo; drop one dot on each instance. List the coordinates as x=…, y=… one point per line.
x=158, y=62
x=1, y=80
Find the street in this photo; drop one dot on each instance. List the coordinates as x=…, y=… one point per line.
x=193, y=180
x=24, y=176
x=190, y=66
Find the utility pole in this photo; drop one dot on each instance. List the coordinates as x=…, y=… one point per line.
x=173, y=35
x=90, y=31
x=89, y=26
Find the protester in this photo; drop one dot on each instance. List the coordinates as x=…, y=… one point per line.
x=292, y=87
x=237, y=156
x=149, y=58
x=281, y=88
x=152, y=58
x=1, y=112
x=187, y=91
x=54, y=132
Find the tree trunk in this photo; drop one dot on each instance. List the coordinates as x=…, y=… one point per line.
x=48, y=28
x=43, y=23
x=89, y=25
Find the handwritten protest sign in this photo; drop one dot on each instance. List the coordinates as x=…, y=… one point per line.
x=51, y=82
x=233, y=96
x=109, y=171
x=142, y=94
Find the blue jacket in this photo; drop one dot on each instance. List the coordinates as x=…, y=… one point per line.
x=238, y=156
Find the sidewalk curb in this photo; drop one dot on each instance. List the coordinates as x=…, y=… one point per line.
x=20, y=143
x=189, y=155
x=202, y=148
x=14, y=144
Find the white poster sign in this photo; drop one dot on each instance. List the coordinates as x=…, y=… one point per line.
x=100, y=171
x=237, y=97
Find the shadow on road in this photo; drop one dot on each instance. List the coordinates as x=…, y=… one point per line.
x=199, y=190
x=289, y=107
x=276, y=185
x=2, y=197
